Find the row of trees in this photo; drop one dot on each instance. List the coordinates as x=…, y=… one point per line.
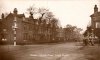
x=72, y=33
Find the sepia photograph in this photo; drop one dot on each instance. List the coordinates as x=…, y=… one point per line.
x=49, y=29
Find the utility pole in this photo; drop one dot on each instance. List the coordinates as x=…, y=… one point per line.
x=14, y=29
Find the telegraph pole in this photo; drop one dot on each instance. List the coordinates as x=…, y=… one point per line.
x=14, y=30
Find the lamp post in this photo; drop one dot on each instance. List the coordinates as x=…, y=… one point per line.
x=14, y=30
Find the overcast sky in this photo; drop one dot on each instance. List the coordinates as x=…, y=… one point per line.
x=74, y=12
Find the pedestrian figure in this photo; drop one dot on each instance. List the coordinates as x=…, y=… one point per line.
x=85, y=41
x=91, y=41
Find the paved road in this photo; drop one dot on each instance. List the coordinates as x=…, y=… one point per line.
x=65, y=51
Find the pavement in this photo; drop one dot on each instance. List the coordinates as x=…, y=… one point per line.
x=63, y=51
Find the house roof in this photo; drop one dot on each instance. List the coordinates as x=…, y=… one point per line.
x=18, y=15
x=95, y=14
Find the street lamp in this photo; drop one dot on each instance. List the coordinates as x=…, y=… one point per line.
x=14, y=27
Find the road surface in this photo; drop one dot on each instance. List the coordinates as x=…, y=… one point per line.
x=64, y=51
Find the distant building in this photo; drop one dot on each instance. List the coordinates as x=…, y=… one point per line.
x=60, y=34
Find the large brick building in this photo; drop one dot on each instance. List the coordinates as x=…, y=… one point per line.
x=17, y=28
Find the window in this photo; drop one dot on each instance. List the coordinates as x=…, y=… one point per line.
x=15, y=19
x=4, y=30
x=23, y=19
x=25, y=36
x=97, y=24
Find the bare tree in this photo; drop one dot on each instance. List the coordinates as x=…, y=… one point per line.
x=31, y=9
x=42, y=11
